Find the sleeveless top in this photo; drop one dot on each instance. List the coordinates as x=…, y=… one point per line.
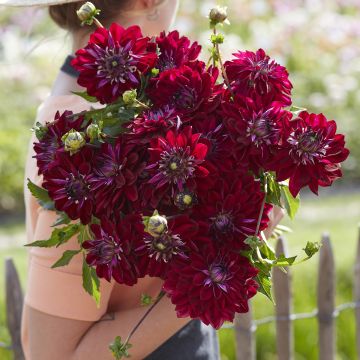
x=195, y=340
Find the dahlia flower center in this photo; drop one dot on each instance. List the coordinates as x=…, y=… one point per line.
x=177, y=165
x=261, y=130
x=223, y=223
x=166, y=61
x=218, y=274
x=185, y=97
x=77, y=188
x=116, y=64
x=107, y=250
x=185, y=199
x=165, y=246
x=307, y=146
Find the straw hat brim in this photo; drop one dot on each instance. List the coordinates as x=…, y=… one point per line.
x=35, y=2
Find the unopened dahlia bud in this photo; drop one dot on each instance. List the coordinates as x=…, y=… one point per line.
x=155, y=225
x=73, y=141
x=185, y=199
x=87, y=12
x=218, y=15
x=93, y=131
x=129, y=96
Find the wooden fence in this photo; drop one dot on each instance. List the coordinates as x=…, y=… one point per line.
x=244, y=325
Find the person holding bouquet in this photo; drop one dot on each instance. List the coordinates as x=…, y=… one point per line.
x=167, y=181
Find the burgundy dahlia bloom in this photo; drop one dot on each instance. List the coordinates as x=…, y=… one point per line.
x=212, y=286
x=254, y=130
x=116, y=169
x=112, y=250
x=310, y=153
x=257, y=75
x=69, y=184
x=47, y=146
x=231, y=210
x=113, y=60
x=157, y=253
x=154, y=121
x=176, y=159
x=185, y=89
x=175, y=51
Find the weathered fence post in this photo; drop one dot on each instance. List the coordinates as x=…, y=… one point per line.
x=283, y=307
x=14, y=303
x=357, y=294
x=245, y=343
x=325, y=301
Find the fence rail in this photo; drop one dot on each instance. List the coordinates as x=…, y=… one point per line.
x=244, y=325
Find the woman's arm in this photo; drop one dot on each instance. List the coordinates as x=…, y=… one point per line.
x=60, y=338
x=275, y=216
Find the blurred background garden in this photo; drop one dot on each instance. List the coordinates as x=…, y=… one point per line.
x=317, y=40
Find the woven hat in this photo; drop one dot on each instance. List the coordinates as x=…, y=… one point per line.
x=34, y=2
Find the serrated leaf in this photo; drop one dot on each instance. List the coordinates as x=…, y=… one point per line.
x=264, y=282
x=58, y=236
x=62, y=219
x=291, y=204
x=311, y=248
x=282, y=260
x=41, y=195
x=119, y=349
x=86, y=96
x=65, y=258
x=91, y=282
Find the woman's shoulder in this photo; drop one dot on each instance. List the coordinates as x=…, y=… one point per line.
x=54, y=103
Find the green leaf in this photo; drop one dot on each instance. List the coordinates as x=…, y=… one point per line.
x=58, y=236
x=41, y=195
x=83, y=234
x=119, y=349
x=296, y=110
x=63, y=218
x=86, y=96
x=267, y=250
x=282, y=260
x=273, y=195
x=291, y=203
x=66, y=258
x=312, y=248
x=91, y=282
x=264, y=281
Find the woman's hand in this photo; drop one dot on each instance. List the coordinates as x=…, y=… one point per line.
x=275, y=216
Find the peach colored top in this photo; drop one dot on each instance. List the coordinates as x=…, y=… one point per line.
x=56, y=291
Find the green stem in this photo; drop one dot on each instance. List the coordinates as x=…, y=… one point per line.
x=160, y=296
x=97, y=23
x=261, y=210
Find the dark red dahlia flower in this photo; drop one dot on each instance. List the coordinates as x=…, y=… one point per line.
x=157, y=253
x=212, y=286
x=113, y=61
x=310, y=153
x=116, y=169
x=154, y=121
x=69, y=184
x=231, y=210
x=112, y=250
x=176, y=159
x=254, y=130
x=175, y=51
x=255, y=74
x=47, y=146
x=185, y=89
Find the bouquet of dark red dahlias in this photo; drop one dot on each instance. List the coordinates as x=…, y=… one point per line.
x=175, y=174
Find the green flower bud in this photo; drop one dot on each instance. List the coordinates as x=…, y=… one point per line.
x=155, y=225
x=87, y=12
x=93, y=131
x=129, y=96
x=154, y=72
x=73, y=141
x=40, y=130
x=218, y=15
